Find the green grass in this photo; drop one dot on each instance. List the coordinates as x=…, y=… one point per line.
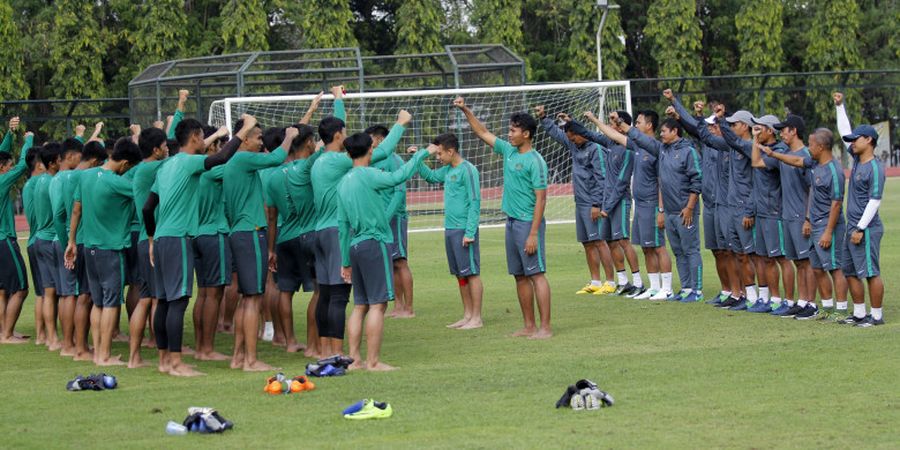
x=683, y=376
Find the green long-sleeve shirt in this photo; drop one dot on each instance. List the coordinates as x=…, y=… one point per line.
x=7, y=180
x=242, y=188
x=462, y=195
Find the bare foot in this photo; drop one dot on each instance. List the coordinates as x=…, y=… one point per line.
x=112, y=361
x=187, y=350
x=40, y=340
x=258, y=366
x=405, y=315
x=183, y=370
x=311, y=352
x=357, y=365
x=294, y=348
x=278, y=343
x=54, y=346
x=237, y=362
x=381, y=367
x=542, y=334
x=458, y=323
x=149, y=343
x=121, y=337
x=524, y=332
x=393, y=313
x=20, y=335
x=84, y=356
x=211, y=356
x=14, y=340
x=136, y=363
x=67, y=352
x=164, y=368
x=472, y=324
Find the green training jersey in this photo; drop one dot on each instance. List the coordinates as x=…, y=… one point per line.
x=462, y=195
x=7, y=180
x=330, y=167
x=242, y=188
x=107, y=202
x=176, y=185
x=394, y=198
x=212, y=205
x=43, y=209
x=61, y=205
x=301, y=192
x=523, y=173
x=278, y=197
x=361, y=211
x=136, y=223
x=176, y=119
x=141, y=183
x=28, y=205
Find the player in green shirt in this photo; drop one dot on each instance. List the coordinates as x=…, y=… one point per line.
x=364, y=234
x=45, y=235
x=462, y=210
x=524, y=200
x=13, y=274
x=103, y=206
x=35, y=168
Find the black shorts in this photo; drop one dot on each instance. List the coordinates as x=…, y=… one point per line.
x=106, y=273
x=12, y=267
x=147, y=272
x=35, y=271
x=174, y=258
x=251, y=259
x=372, y=273
x=47, y=263
x=71, y=282
x=328, y=257
x=296, y=263
x=132, y=270
x=212, y=260
x=400, y=231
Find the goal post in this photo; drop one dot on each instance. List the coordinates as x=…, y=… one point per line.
x=433, y=114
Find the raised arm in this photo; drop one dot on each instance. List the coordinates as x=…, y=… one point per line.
x=179, y=113
x=19, y=169
x=313, y=106
x=645, y=142
x=478, y=128
x=8, y=138
x=231, y=147
x=609, y=132
x=390, y=142
x=339, y=111
x=383, y=180
x=433, y=175
x=221, y=132
x=553, y=130
x=843, y=122
x=791, y=160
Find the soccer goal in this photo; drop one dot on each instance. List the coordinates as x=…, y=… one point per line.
x=433, y=114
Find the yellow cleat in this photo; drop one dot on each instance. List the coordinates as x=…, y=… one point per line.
x=606, y=289
x=589, y=289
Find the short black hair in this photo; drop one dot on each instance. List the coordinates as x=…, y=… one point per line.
x=5, y=157
x=328, y=127
x=174, y=148
x=624, y=116
x=187, y=128
x=72, y=145
x=208, y=130
x=306, y=133
x=149, y=140
x=524, y=121
x=272, y=138
x=93, y=150
x=447, y=141
x=377, y=130
x=31, y=159
x=51, y=153
x=650, y=116
x=358, y=145
x=126, y=150
x=673, y=124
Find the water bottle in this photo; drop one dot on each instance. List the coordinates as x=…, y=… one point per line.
x=175, y=428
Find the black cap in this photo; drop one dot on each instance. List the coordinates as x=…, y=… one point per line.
x=792, y=121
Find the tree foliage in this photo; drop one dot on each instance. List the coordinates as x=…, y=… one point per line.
x=326, y=24
x=759, y=30
x=674, y=35
x=500, y=22
x=245, y=26
x=12, y=60
x=583, y=21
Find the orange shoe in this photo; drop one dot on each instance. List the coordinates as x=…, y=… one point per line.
x=301, y=383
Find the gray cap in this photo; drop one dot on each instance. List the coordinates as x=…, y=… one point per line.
x=768, y=120
x=741, y=116
x=711, y=120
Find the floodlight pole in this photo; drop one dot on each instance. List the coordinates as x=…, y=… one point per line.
x=605, y=7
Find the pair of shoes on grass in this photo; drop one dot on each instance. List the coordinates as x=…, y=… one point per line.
x=278, y=384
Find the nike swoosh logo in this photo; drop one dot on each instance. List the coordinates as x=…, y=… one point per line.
x=531, y=268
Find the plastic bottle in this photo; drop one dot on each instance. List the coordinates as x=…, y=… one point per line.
x=175, y=428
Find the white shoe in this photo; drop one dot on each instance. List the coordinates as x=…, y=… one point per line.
x=268, y=332
x=661, y=295
x=647, y=294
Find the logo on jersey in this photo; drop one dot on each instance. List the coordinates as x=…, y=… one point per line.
x=518, y=166
x=453, y=178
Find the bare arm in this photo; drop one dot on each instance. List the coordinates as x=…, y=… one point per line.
x=477, y=127
x=272, y=232
x=312, y=109
x=607, y=130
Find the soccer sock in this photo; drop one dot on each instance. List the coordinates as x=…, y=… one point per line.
x=859, y=310
x=751, y=293
x=827, y=303
x=596, y=283
x=764, y=293
x=841, y=306
x=654, y=281
x=776, y=300
x=159, y=324
x=667, y=281
x=789, y=302
x=725, y=293
x=175, y=323
x=802, y=303
x=876, y=313
x=636, y=279
x=622, y=278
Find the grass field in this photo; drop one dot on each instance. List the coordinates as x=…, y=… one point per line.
x=683, y=376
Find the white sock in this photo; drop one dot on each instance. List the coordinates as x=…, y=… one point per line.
x=876, y=313
x=596, y=283
x=827, y=303
x=636, y=279
x=751, y=293
x=726, y=293
x=667, y=281
x=776, y=300
x=764, y=293
x=859, y=310
x=790, y=302
x=687, y=291
x=654, y=281
x=802, y=303
x=622, y=278
x=841, y=306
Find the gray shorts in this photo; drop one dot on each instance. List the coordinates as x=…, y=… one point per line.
x=372, y=273
x=12, y=267
x=147, y=272
x=518, y=262
x=35, y=271
x=586, y=229
x=296, y=263
x=710, y=229
x=174, y=258
x=400, y=230
x=797, y=246
x=328, y=257
x=212, y=260
x=861, y=260
x=252, y=265
x=106, y=276
x=645, y=232
x=828, y=259
x=770, y=241
x=133, y=272
x=740, y=240
x=71, y=282
x=463, y=261
x=619, y=220
x=47, y=263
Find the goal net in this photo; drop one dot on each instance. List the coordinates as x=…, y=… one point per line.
x=433, y=114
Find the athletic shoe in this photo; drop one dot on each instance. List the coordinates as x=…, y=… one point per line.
x=661, y=295
x=719, y=298
x=781, y=309
x=577, y=403
x=692, y=297
x=646, y=295
x=742, y=305
x=675, y=296
x=633, y=291
x=621, y=290
x=838, y=315
x=793, y=311
x=589, y=289
x=853, y=320
x=730, y=301
x=606, y=289
x=807, y=313
x=869, y=322
x=370, y=410
x=760, y=306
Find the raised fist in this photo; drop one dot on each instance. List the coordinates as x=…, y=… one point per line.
x=459, y=102
x=668, y=94
x=539, y=111
x=404, y=117
x=838, y=98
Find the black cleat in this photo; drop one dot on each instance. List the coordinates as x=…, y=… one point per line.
x=807, y=313
x=792, y=312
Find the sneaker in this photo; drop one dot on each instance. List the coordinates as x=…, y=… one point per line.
x=759, y=306
x=624, y=288
x=782, y=308
x=730, y=301
x=676, y=296
x=838, y=315
x=807, y=313
x=646, y=295
x=792, y=311
x=606, y=289
x=589, y=289
x=636, y=291
x=741, y=306
x=661, y=295
x=869, y=322
x=369, y=409
x=853, y=320
x=692, y=297
x=717, y=299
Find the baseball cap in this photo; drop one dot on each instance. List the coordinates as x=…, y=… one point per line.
x=768, y=120
x=741, y=116
x=711, y=120
x=860, y=131
x=792, y=121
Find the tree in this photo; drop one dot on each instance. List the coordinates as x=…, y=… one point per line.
x=499, y=22
x=326, y=24
x=759, y=30
x=584, y=18
x=12, y=58
x=674, y=35
x=244, y=26
x=419, y=31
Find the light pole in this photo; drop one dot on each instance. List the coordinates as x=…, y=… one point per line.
x=605, y=7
